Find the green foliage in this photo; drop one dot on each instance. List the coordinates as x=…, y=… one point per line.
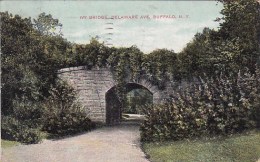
x=28, y=59
x=160, y=66
x=59, y=114
x=128, y=64
x=29, y=66
x=28, y=112
x=13, y=28
x=136, y=99
x=68, y=123
x=241, y=20
x=219, y=105
x=90, y=55
x=198, y=56
x=13, y=129
x=234, y=46
x=45, y=24
x=62, y=99
x=62, y=114
x=20, y=85
x=21, y=121
x=30, y=63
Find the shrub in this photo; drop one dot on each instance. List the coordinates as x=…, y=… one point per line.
x=58, y=114
x=63, y=115
x=24, y=124
x=68, y=123
x=13, y=129
x=220, y=105
x=28, y=111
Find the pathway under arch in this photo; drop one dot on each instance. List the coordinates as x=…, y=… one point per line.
x=114, y=108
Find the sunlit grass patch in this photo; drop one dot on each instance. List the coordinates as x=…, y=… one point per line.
x=237, y=148
x=7, y=143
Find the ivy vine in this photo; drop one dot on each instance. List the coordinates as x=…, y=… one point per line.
x=127, y=64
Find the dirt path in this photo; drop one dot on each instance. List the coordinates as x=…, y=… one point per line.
x=108, y=144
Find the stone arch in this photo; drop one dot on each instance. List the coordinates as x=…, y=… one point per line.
x=93, y=84
x=113, y=105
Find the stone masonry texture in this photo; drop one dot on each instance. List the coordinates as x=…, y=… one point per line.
x=93, y=84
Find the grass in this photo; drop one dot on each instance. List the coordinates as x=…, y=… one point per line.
x=7, y=143
x=237, y=148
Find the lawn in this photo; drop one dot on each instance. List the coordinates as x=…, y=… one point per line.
x=6, y=143
x=237, y=148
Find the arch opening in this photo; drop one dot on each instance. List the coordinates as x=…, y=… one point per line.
x=137, y=96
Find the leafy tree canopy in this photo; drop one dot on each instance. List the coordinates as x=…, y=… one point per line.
x=46, y=24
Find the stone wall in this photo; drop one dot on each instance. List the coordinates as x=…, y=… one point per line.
x=92, y=86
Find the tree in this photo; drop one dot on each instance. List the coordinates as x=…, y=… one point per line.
x=15, y=57
x=198, y=56
x=137, y=99
x=241, y=30
x=47, y=25
x=161, y=65
x=26, y=53
x=231, y=48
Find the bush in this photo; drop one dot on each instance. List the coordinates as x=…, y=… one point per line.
x=21, y=115
x=24, y=124
x=13, y=129
x=58, y=114
x=68, y=123
x=28, y=111
x=220, y=105
x=63, y=115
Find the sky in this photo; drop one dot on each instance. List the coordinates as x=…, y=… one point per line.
x=149, y=25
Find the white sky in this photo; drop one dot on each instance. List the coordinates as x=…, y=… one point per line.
x=146, y=34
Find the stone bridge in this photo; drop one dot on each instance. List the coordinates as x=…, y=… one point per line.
x=95, y=89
